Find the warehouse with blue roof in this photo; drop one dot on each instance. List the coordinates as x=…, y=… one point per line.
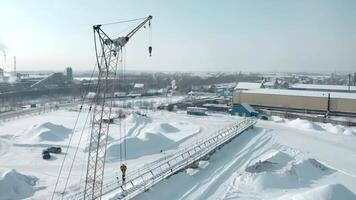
x=244, y=109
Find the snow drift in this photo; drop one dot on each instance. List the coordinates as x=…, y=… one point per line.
x=14, y=185
x=326, y=192
x=314, y=126
x=304, y=124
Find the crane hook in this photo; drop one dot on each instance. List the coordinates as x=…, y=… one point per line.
x=150, y=50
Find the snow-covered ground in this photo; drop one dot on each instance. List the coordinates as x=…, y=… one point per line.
x=278, y=159
x=148, y=139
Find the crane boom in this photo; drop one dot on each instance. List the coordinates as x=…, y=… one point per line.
x=107, y=53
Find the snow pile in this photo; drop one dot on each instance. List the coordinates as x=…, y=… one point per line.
x=300, y=174
x=136, y=123
x=338, y=129
x=175, y=131
x=145, y=144
x=279, y=170
x=159, y=136
x=326, y=192
x=48, y=132
x=135, y=118
x=167, y=128
x=275, y=161
x=14, y=185
x=313, y=126
x=277, y=119
x=304, y=124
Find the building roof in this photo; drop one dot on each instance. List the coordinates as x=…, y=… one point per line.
x=248, y=108
x=247, y=86
x=139, y=85
x=323, y=87
x=216, y=105
x=342, y=95
x=269, y=83
x=225, y=85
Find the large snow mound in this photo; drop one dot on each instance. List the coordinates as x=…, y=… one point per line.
x=274, y=161
x=48, y=132
x=136, y=147
x=154, y=139
x=175, y=131
x=326, y=192
x=14, y=185
x=294, y=175
x=279, y=170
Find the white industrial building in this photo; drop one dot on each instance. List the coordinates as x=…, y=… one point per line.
x=297, y=100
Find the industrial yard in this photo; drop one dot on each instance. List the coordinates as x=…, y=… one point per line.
x=271, y=148
x=177, y=100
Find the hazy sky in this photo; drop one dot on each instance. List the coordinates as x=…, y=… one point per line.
x=199, y=35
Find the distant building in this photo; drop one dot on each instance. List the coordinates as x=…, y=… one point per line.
x=196, y=111
x=248, y=86
x=138, y=90
x=270, y=84
x=54, y=80
x=1, y=74
x=69, y=73
x=216, y=107
x=337, y=103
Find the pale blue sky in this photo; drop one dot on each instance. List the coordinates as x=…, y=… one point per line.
x=200, y=35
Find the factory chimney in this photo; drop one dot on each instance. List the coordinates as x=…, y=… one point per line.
x=15, y=73
x=349, y=82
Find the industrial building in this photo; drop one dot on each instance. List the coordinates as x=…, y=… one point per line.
x=336, y=103
x=326, y=88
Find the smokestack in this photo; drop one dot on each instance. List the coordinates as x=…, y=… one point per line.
x=354, y=78
x=15, y=73
x=3, y=49
x=349, y=81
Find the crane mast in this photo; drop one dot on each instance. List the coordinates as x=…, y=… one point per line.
x=107, y=55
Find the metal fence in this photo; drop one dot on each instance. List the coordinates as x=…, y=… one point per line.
x=140, y=180
x=12, y=115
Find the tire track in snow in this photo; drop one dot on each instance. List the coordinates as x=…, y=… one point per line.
x=209, y=189
x=212, y=181
x=4, y=147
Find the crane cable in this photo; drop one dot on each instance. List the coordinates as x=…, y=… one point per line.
x=123, y=21
x=71, y=137
x=77, y=148
x=123, y=79
x=122, y=121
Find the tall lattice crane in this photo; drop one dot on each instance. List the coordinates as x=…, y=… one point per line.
x=107, y=54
